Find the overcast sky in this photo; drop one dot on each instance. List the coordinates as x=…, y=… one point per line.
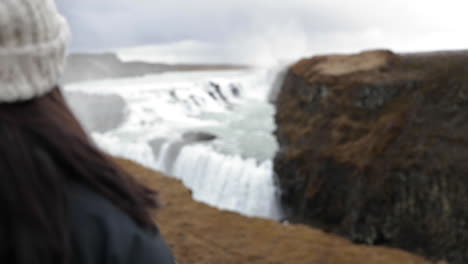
x=263, y=31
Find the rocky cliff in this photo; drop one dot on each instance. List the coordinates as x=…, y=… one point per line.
x=374, y=147
x=199, y=234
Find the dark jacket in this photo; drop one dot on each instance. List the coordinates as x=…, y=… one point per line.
x=103, y=234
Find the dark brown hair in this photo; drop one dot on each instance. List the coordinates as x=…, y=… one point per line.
x=34, y=226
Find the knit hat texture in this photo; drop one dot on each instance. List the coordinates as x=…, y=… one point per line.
x=33, y=43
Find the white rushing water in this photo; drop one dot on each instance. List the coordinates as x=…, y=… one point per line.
x=212, y=130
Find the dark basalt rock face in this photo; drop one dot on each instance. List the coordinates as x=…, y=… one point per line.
x=374, y=147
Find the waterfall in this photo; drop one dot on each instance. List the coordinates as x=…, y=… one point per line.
x=211, y=130
x=225, y=181
x=228, y=181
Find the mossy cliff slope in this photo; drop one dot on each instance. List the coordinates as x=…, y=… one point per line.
x=374, y=147
x=199, y=234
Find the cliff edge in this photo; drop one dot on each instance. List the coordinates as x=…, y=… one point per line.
x=373, y=147
x=200, y=234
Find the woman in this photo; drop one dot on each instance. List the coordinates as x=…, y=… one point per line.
x=61, y=199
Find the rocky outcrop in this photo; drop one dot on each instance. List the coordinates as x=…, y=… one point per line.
x=374, y=148
x=200, y=234
x=88, y=67
x=193, y=137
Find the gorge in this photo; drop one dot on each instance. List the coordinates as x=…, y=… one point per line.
x=370, y=147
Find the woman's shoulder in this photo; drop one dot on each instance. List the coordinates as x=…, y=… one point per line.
x=86, y=205
x=103, y=233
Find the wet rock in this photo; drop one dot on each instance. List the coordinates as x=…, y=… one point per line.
x=235, y=90
x=373, y=147
x=173, y=95
x=217, y=89
x=198, y=136
x=212, y=95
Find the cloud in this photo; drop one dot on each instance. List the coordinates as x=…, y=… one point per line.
x=265, y=30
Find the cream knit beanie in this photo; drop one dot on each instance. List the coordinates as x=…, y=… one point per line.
x=33, y=43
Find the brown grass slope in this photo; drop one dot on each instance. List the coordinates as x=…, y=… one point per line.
x=200, y=234
x=374, y=147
